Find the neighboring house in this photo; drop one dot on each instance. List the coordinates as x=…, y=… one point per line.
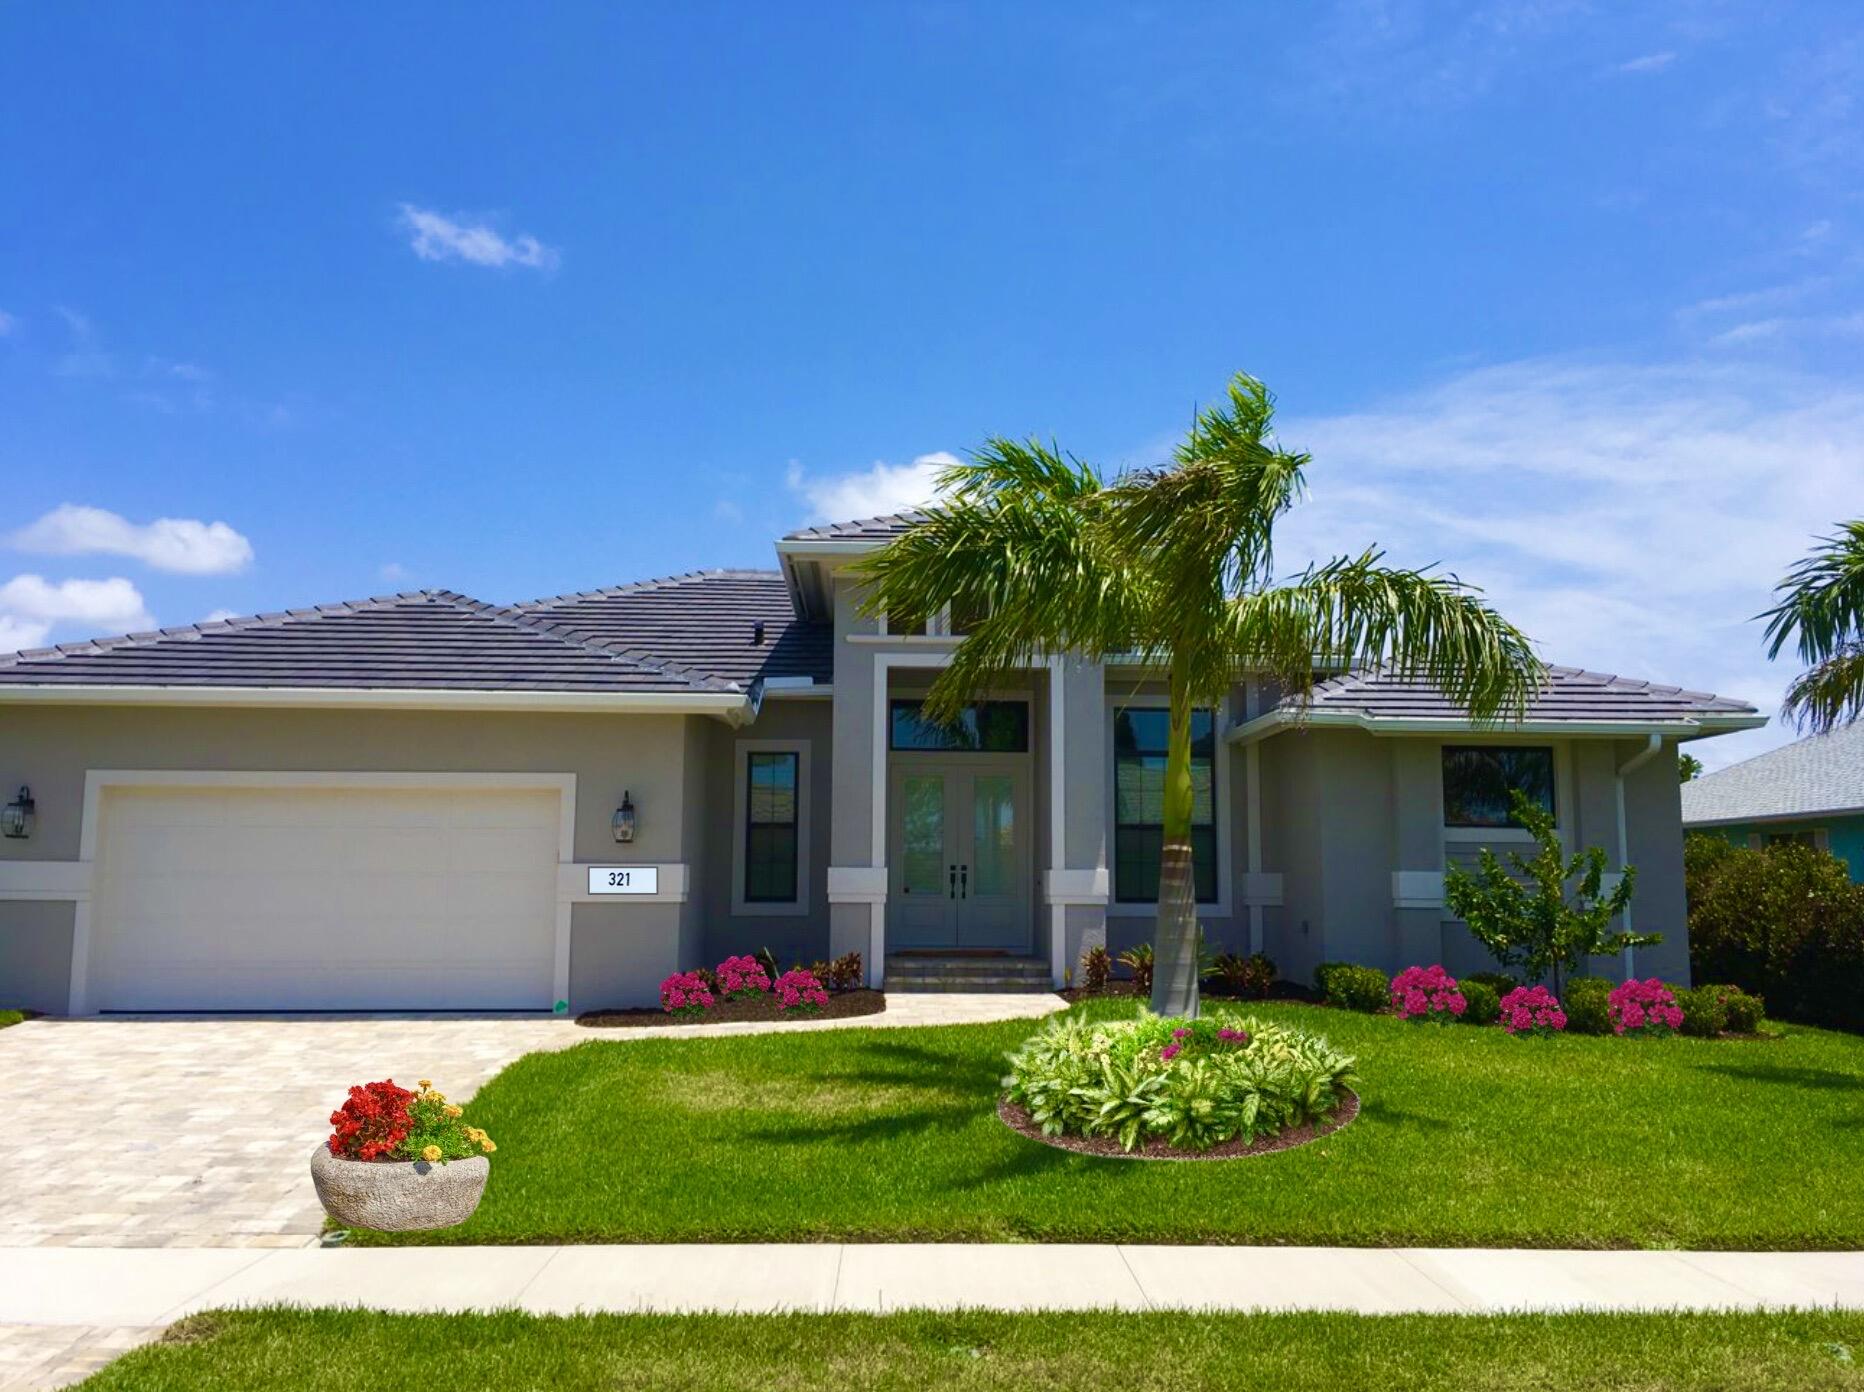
x=1810, y=792
x=416, y=801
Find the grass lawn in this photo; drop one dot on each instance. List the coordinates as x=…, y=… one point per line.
x=329, y=1351
x=1466, y=1138
x=11, y=1017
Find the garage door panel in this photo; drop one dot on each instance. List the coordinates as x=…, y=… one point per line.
x=256, y=898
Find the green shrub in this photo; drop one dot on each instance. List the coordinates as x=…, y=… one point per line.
x=1138, y=960
x=1096, y=967
x=1704, y=1014
x=1190, y=1083
x=1586, y=1003
x=1250, y=976
x=1499, y=982
x=1481, y=1005
x=1353, y=987
x=1784, y=922
x=1744, y=1012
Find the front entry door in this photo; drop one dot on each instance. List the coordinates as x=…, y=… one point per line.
x=959, y=853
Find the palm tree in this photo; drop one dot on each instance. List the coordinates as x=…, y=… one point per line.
x=1173, y=567
x=1822, y=602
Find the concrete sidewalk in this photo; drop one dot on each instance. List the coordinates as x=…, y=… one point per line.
x=150, y=1287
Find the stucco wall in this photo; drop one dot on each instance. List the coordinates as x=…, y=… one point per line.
x=1844, y=836
x=35, y=955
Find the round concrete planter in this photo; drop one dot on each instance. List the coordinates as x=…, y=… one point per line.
x=398, y=1195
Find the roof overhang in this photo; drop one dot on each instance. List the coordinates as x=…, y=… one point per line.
x=1768, y=818
x=1249, y=732
x=732, y=706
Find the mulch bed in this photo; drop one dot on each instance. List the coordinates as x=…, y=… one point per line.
x=1015, y=1116
x=841, y=1006
x=1118, y=989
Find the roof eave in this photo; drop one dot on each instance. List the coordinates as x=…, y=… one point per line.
x=1697, y=727
x=1768, y=818
x=733, y=706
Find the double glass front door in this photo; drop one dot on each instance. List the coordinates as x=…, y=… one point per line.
x=958, y=856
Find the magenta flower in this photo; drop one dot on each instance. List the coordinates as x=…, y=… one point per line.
x=1427, y=993
x=797, y=989
x=1644, y=1007
x=1170, y=1052
x=742, y=976
x=685, y=993
x=1532, y=1010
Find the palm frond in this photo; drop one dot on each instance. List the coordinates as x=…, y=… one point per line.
x=1829, y=694
x=1821, y=609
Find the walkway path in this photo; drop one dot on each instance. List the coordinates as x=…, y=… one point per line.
x=83, y=1305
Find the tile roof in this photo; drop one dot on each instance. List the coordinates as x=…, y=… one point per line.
x=705, y=621
x=862, y=529
x=1570, y=694
x=1821, y=774
x=428, y=640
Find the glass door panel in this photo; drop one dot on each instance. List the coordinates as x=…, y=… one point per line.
x=993, y=834
x=923, y=861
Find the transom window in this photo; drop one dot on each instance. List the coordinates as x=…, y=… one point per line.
x=770, y=842
x=983, y=727
x=1140, y=736
x=1478, y=779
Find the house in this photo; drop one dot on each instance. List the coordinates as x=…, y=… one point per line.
x=426, y=802
x=1811, y=792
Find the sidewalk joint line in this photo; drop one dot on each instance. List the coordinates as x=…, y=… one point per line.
x=1138, y=1285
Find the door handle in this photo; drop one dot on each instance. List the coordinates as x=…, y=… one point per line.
x=964, y=882
x=954, y=881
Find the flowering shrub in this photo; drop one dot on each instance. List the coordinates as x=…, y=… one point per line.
x=1532, y=1010
x=739, y=976
x=1644, y=1007
x=685, y=993
x=799, y=990
x=1427, y=993
x=380, y=1121
x=1190, y=1083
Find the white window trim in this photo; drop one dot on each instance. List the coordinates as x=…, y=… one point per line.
x=1219, y=791
x=741, y=806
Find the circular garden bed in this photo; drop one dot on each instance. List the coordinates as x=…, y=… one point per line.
x=841, y=1005
x=1221, y=1086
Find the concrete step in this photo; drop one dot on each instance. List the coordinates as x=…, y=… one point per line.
x=966, y=973
x=990, y=985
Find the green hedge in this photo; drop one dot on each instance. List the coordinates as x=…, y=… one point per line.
x=1355, y=987
x=1784, y=922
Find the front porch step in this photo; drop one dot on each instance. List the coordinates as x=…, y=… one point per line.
x=984, y=973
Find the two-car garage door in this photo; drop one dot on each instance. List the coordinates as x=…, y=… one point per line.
x=325, y=898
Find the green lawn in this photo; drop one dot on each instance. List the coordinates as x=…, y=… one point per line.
x=328, y=1351
x=1466, y=1138
x=11, y=1017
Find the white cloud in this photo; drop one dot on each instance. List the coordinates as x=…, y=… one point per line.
x=434, y=236
x=84, y=357
x=393, y=571
x=1649, y=62
x=7, y=323
x=875, y=491
x=220, y=616
x=31, y=606
x=183, y=545
x=1632, y=518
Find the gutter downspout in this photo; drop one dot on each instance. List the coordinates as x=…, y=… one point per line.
x=1631, y=765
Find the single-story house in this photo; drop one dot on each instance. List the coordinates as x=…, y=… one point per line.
x=1811, y=792
x=426, y=802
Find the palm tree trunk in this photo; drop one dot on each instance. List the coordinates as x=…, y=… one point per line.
x=1174, y=975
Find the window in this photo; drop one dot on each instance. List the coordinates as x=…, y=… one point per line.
x=1811, y=840
x=1139, y=750
x=1478, y=778
x=770, y=826
x=984, y=727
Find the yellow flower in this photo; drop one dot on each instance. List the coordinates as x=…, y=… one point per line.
x=485, y=1143
x=425, y=1082
x=453, y=1110
x=431, y=1154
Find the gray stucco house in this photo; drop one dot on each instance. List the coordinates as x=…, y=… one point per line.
x=419, y=801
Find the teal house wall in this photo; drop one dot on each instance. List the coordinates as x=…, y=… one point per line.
x=1844, y=836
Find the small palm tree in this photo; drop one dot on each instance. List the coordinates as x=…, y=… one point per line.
x=1821, y=611
x=1172, y=567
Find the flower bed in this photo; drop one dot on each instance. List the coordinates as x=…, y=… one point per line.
x=741, y=989
x=1172, y=1088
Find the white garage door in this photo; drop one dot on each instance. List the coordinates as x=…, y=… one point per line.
x=324, y=899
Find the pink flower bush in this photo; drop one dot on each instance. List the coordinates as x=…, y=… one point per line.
x=799, y=990
x=685, y=993
x=1532, y=1010
x=1644, y=1007
x=1201, y=1038
x=1427, y=993
x=742, y=976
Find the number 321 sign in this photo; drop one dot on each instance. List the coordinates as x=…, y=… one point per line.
x=624, y=879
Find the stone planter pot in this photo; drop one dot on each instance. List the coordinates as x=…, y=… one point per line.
x=398, y=1195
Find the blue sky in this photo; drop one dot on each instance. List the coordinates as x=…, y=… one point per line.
x=303, y=304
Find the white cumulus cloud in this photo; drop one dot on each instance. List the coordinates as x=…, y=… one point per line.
x=875, y=491
x=434, y=236
x=183, y=545
x=31, y=606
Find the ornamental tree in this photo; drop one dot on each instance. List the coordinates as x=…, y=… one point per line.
x=1173, y=567
x=1527, y=916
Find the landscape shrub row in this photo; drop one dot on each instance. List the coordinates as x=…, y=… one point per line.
x=800, y=989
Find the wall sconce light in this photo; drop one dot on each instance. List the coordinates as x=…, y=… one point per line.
x=623, y=822
x=16, y=817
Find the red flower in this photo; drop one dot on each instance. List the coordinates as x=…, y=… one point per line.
x=372, y=1123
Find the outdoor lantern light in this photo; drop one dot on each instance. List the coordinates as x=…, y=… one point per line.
x=16, y=816
x=624, y=818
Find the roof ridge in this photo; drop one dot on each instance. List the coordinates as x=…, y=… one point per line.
x=657, y=582
x=264, y=620
x=571, y=638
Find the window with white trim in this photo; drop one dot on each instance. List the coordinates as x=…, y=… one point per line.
x=1140, y=736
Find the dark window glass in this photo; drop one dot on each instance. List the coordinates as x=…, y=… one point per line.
x=985, y=727
x=770, y=828
x=1139, y=749
x=1477, y=779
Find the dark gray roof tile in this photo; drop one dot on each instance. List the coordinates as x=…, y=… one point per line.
x=862, y=529
x=1570, y=693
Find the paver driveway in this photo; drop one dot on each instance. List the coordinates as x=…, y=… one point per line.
x=198, y=1132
